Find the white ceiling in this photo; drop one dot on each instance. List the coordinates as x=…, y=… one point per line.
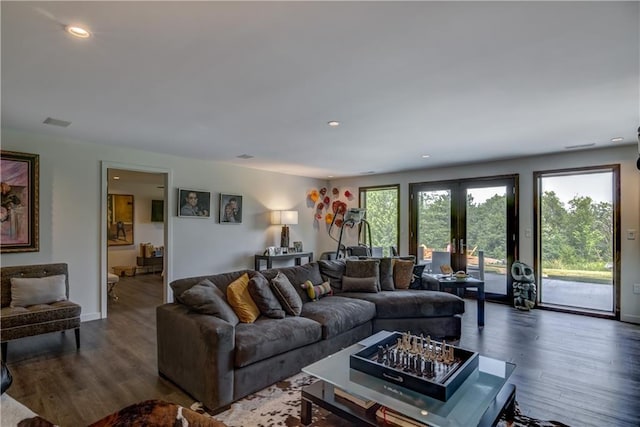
x=461, y=81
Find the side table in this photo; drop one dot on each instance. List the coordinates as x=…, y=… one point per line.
x=297, y=256
x=469, y=282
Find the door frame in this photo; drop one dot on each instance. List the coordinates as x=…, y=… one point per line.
x=617, y=256
x=458, y=186
x=168, y=226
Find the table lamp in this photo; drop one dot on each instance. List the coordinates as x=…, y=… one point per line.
x=284, y=218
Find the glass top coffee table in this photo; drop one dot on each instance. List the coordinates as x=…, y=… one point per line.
x=481, y=400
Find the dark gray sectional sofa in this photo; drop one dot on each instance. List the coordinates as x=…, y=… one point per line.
x=218, y=362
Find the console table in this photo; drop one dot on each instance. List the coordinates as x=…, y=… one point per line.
x=297, y=256
x=153, y=262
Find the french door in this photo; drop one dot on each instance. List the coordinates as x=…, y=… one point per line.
x=471, y=225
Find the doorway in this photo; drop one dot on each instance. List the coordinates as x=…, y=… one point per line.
x=470, y=225
x=577, y=239
x=142, y=187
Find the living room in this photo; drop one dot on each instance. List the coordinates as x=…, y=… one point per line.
x=73, y=166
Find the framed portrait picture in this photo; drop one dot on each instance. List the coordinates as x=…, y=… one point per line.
x=19, y=210
x=230, y=209
x=194, y=203
x=120, y=220
x=297, y=246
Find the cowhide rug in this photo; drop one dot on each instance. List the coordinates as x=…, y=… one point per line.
x=279, y=406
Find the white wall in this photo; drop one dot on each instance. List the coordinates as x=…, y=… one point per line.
x=144, y=231
x=70, y=212
x=630, y=202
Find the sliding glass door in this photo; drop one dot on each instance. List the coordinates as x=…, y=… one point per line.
x=577, y=238
x=470, y=225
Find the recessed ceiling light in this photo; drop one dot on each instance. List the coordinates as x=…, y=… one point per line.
x=334, y=123
x=76, y=31
x=617, y=139
x=426, y=156
x=329, y=176
x=116, y=178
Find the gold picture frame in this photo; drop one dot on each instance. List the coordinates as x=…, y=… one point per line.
x=120, y=220
x=20, y=202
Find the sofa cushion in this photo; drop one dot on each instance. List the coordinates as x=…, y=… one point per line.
x=412, y=303
x=297, y=275
x=359, y=284
x=31, y=316
x=269, y=337
x=363, y=268
x=206, y=298
x=337, y=314
x=286, y=294
x=37, y=290
x=318, y=291
x=332, y=271
x=241, y=301
x=221, y=281
x=264, y=297
x=386, y=274
x=402, y=274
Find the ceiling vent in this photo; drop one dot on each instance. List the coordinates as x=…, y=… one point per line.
x=245, y=156
x=56, y=122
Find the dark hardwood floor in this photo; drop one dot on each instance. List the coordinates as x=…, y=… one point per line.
x=579, y=370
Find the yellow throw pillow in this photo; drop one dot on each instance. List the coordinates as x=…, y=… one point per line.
x=240, y=300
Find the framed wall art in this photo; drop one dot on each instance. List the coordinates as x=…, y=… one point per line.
x=157, y=211
x=194, y=203
x=19, y=210
x=120, y=219
x=230, y=209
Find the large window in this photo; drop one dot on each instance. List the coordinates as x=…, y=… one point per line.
x=382, y=204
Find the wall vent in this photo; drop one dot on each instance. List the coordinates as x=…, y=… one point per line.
x=56, y=122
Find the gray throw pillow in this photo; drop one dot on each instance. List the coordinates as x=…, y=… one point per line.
x=26, y=291
x=332, y=272
x=206, y=298
x=264, y=297
x=363, y=268
x=286, y=294
x=386, y=274
x=359, y=284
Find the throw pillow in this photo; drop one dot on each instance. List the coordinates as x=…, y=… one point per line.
x=332, y=271
x=264, y=297
x=286, y=294
x=386, y=274
x=206, y=298
x=317, y=292
x=241, y=301
x=363, y=268
x=402, y=273
x=38, y=290
x=360, y=284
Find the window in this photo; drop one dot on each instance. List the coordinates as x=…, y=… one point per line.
x=383, y=215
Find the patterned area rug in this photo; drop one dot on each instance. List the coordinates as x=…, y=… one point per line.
x=279, y=406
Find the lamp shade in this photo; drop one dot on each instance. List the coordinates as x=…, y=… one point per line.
x=284, y=217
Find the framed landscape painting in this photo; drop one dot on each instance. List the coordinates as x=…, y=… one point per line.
x=19, y=210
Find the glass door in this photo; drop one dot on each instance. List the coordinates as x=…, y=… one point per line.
x=470, y=225
x=577, y=239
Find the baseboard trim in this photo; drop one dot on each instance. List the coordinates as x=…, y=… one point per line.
x=89, y=316
x=630, y=318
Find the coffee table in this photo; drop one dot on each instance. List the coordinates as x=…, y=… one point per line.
x=481, y=400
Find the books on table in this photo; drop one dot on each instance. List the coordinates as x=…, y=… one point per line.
x=392, y=418
x=362, y=402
